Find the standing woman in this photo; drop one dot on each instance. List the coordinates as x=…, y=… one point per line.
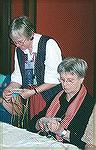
x=36, y=59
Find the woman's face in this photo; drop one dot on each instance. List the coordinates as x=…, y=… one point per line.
x=22, y=42
x=71, y=83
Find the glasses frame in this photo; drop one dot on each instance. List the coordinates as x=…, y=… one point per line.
x=69, y=81
x=21, y=43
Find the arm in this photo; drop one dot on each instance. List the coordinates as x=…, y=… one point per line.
x=16, y=75
x=52, y=60
x=27, y=92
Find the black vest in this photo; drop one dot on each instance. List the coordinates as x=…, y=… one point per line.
x=48, y=95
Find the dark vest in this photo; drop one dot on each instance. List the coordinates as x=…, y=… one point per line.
x=39, y=68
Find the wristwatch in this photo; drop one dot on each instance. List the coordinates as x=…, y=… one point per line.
x=64, y=132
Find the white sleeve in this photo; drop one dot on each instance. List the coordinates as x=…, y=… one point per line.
x=16, y=75
x=53, y=59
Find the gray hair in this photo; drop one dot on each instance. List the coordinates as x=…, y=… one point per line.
x=21, y=26
x=73, y=65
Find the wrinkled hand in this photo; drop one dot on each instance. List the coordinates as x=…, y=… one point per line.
x=7, y=95
x=41, y=123
x=26, y=93
x=51, y=124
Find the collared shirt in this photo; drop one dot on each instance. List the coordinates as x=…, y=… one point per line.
x=53, y=59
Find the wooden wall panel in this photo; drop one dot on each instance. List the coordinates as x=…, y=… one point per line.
x=71, y=23
x=5, y=50
x=17, y=8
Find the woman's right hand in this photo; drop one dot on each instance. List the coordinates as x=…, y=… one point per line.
x=7, y=95
x=41, y=123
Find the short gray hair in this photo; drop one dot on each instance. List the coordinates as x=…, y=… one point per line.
x=73, y=65
x=21, y=26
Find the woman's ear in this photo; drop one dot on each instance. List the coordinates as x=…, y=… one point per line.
x=81, y=80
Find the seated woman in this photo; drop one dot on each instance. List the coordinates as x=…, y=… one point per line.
x=67, y=117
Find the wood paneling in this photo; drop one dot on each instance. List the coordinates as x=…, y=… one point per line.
x=71, y=23
x=5, y=51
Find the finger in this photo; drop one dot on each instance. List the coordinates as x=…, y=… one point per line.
x=16, y=90
x=24, y=97
x=53, y=126
x=6, y=97
x=41, y=124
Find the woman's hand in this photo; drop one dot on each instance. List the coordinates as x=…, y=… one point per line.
x=7, y=95
x=41, y=123
x=53, y=125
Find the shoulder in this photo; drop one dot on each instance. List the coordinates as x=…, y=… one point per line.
x=89, y=100
x=37, y=36
x=49, y=39
x=89, y=96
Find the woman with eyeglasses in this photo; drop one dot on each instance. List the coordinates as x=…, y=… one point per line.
x=67, y=116
x=36, y=59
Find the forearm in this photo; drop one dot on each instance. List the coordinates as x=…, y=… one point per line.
x=26, y=93
x=13, y=85
x=44, y=87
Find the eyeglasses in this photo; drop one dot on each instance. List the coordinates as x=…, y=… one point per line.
x=69, y=80
x=21, y=43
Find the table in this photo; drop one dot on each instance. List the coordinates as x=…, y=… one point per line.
x=13, y=138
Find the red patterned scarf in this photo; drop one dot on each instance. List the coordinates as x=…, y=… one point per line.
x=71, y=110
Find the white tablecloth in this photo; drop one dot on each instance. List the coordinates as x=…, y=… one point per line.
x=13, y=138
